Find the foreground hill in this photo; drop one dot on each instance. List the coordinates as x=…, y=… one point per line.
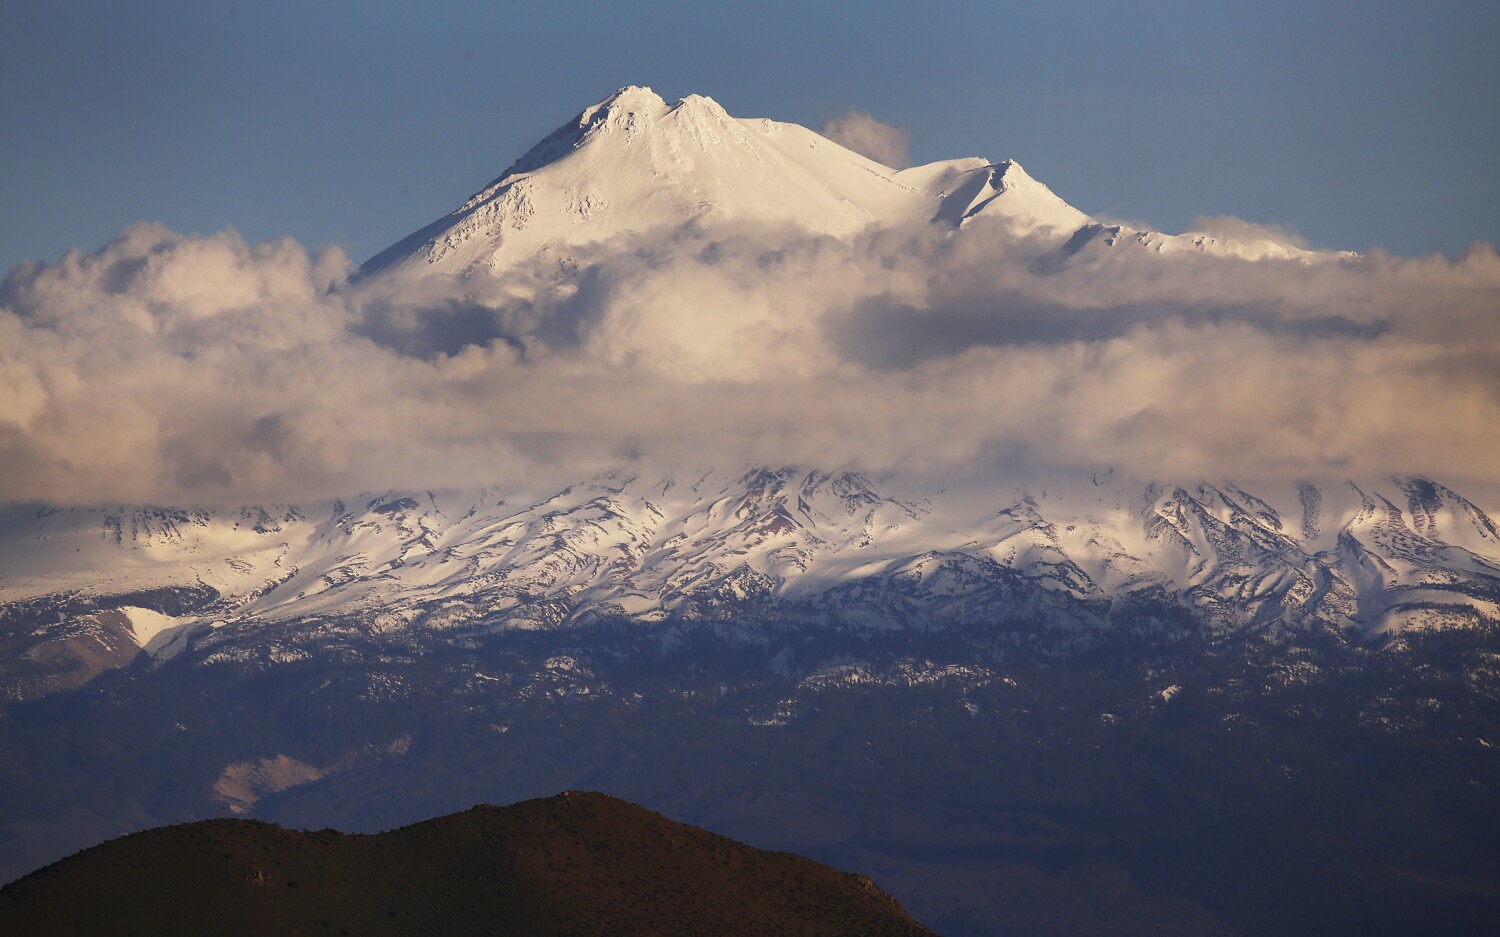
x=577, y=863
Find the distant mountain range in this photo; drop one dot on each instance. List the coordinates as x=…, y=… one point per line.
x=763, y=557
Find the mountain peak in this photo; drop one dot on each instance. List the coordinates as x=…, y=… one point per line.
x=1011, y=171
x=702, y=104
x=637, y=110
x=632, y=96
x=621, y=105
x=632, y=162
x=1007, y=192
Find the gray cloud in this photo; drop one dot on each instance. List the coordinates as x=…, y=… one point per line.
x=864, y=134
x=171, y=369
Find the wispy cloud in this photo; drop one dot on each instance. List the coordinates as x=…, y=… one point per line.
x=1232, y=227
x=864, y=134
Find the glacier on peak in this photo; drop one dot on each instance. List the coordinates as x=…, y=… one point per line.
x=632, y=163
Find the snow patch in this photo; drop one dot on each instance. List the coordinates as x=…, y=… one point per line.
x=161, y=636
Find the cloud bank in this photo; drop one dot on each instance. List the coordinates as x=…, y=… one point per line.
x=170, y=369
x=867, y=136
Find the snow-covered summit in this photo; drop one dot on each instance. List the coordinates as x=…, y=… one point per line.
x=1004, y=190
x=633, y=162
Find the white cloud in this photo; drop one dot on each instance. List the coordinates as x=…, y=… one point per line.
x=171, y=369
x=864, y=134
x=1228, y=226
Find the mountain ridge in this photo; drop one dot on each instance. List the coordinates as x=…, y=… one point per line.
x=768, y=553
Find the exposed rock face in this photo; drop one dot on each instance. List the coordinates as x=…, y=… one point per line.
x=68, y=654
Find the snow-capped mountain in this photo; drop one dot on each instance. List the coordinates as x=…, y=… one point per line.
x=1056, y=564
x=978, y=669
x=634, y=163
x=1071, y=564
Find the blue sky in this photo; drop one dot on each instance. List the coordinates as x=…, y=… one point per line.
x=1360, y=125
